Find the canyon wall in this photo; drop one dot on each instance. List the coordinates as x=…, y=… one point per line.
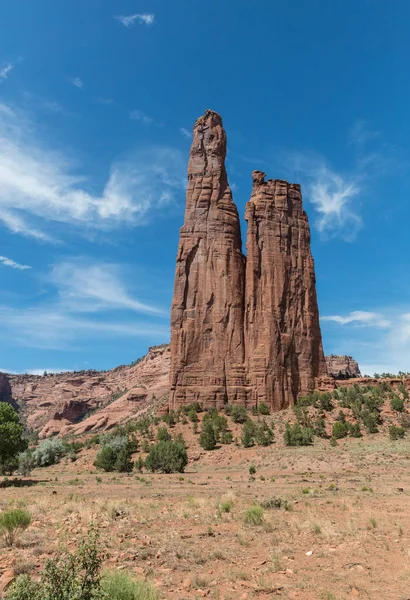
x=243, y=330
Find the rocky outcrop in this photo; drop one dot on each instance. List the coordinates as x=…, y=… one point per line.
x=283, y=338
x=207, y=336
x=242, y=330
x=76, y=403
x=5, y=389
x=342, y=367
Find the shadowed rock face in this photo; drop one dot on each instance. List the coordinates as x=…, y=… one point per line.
x=236, y=339
x=5, y=389
x=342, y=367
x=207, y=337
x=283, y=338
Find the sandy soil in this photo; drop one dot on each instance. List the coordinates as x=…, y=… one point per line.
x=347, y=535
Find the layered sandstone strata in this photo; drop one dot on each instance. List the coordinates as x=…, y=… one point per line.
x=283, y=339
x=342, y=367
x=237, y=340
x=207, y=336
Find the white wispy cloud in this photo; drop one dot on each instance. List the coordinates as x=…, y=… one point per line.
x=139, y=115
x=330, y=192
x=361, y=317
x=77, y=82
x=96, y=285
x=56, y=107
x=185, y=132
x=87, y=300
x=130, y=20
x=40, y=185
x=361, y=133
x=332, y=195
x=8, y=262
x=380, y=341
x=4, y=71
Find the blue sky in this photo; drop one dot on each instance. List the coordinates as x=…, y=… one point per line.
x=97, y=102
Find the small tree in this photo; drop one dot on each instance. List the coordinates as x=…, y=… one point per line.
x=207, y=438
x=11, y=438
x=238, y=414
x=249, y=431
x=396, y=433
x=297, y=435
x=339, y=430
x=263, y=409
x=397, y=404
x=163, y=434
x=168, y=457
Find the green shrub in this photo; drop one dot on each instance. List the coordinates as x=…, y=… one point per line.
x=67, y=577
x=277, y=503
x=115, y=454
x=370, y=421
x=207, y=438
x=396, y=433
x=11, y=438
x=339, y=430
x=26, y=463
x=170, y=418
x=13, y=523
x=297, y=435
x=320, y=427
x=226, y=437
x=119, y=585
x=254, y=515
x=163, y=434
x=263, y=409
x=252, y=470
x=226, y=506
x=354, y=430
x=49, y=452
x=333, y=442
x=238, y=414
x=263, y=434
x=397, y=404
x=249, y=431
x=168, y=457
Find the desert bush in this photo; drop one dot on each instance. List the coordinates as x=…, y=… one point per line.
x=49, y=452
x=12, y=441
x=26, y=462
x=297, y=435
x=248, y=433
x=207, y=438
x=168, y=457
x=354, y=430
x=320, y=427
x=264, y=435
x=119, y=585
x=226, y=437
x=339, y=430
x=163, y=434
x=272, y=503
x=404, y=420
x=115, y=454
x=238, y=414
x=68, y=577
x=396, y=433
x=397, y=404
x=263, y=409
x=254, y=515
x=226, y=506
x=370, y=421
x=170, y=418
x=13, y=523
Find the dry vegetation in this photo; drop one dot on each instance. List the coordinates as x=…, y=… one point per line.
x=317, y=522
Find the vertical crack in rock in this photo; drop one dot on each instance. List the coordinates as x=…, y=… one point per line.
x=284, y=351
x=242, y=330
x=207, y=345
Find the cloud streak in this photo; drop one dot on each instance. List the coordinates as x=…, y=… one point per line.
x=40, y=185
x=8, y=262
x=141, y=18
x=360, y=317
x=77, y=82
x=139, y=115
x=4, y=71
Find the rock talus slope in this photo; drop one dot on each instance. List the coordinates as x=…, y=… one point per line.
x=283, y=338
x=207, y=336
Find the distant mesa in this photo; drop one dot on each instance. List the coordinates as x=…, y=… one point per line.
x=244, y=330
x=342, y=367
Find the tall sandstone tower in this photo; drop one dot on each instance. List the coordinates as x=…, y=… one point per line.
x=243, y=330
x=207, y=335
